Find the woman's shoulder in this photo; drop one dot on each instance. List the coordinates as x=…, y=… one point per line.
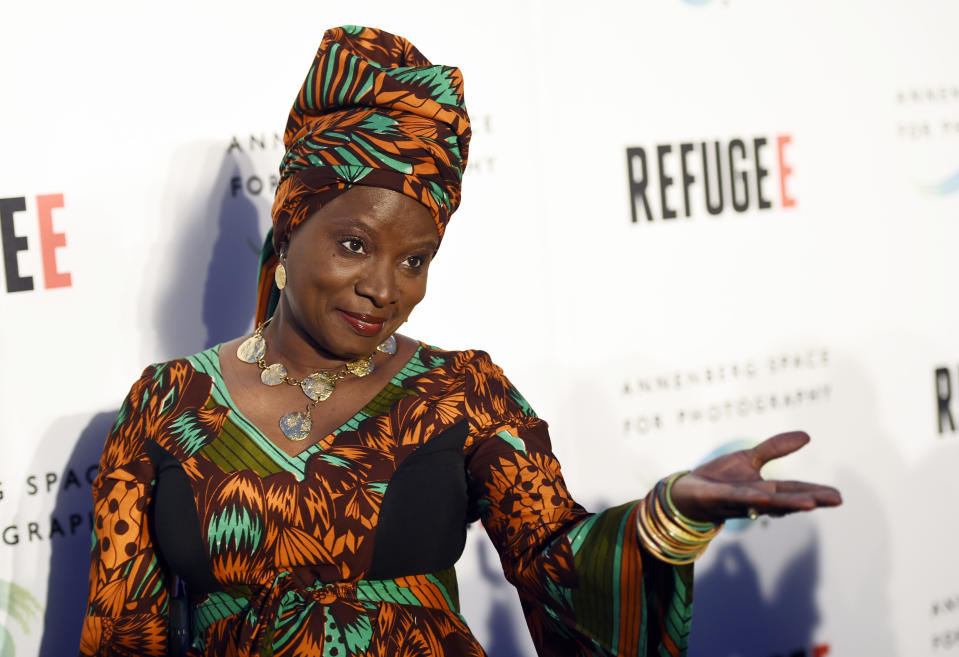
x=177, y=370
x=156, y=401
x=474, y=373
x=460, y=361
x=165, y=383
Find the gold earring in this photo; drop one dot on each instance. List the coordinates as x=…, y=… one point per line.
x=279, y=276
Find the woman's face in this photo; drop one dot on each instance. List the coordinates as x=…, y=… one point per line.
x=357, y=268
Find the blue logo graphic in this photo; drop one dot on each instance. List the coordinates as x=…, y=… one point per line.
x=948, y=186
x=697, y=3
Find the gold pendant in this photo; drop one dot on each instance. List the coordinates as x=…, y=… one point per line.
x=296, y=425
x=252, y=349
x=361, y=367
x=273, y=375
x=318, y=386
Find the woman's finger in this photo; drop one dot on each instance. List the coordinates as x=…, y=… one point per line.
x=731, y=498
x=704, y=498
x=737, y=501
x=776, y=447
x=823, y=494
x=789, y=502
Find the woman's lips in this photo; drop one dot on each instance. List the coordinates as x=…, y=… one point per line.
x=365, y=325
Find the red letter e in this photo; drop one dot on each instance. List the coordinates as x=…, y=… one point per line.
x=51, y=241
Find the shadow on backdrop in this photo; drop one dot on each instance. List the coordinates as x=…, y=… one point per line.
x=70, y=554
x=733, y=619
x=212, y=295
x=505, y=628
x=229, y=296
x=217, y=256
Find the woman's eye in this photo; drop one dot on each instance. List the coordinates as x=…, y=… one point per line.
x=353, y=245
x=414, y=262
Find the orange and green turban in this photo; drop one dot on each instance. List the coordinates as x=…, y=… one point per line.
x=372, y=111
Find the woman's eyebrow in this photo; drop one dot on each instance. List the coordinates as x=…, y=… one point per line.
x=431, y=244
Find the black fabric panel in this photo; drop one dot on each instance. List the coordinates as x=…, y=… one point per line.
x=176, y=524
x=422, y=523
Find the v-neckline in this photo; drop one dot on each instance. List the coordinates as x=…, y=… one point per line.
x=263, y=441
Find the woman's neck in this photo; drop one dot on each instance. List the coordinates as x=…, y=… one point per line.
x=289, y=344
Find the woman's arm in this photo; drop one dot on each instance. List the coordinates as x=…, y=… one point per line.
x=587, y=585
x=127, y=611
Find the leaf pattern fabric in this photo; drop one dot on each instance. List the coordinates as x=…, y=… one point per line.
x=290, y=541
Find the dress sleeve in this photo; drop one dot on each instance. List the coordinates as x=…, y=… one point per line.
x=586, y=585
x=127, y=609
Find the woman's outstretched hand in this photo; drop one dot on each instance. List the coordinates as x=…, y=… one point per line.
x=730, y=486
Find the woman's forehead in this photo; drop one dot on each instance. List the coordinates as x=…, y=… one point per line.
x=377, y=210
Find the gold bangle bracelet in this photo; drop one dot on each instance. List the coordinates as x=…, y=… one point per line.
x=655, y=549
x=664, y=532
x=679, y=531
x=695, y=525
x=699, y=530
x=664, y=541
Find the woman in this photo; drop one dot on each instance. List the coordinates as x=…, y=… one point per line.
x=312, y=483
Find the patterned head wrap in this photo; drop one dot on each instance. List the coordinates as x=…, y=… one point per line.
x=372, y=111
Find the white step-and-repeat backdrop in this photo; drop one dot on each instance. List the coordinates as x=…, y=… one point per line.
x=687, y=225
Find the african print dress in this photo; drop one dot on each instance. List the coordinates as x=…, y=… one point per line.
x=348, y=548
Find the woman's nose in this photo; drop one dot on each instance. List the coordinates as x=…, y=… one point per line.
x=378, y=283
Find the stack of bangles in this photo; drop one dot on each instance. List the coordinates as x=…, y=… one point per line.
x=665, y=532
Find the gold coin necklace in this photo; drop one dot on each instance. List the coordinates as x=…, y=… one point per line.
x=317, y=386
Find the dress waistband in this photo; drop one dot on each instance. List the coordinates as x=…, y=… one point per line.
x=262, y=608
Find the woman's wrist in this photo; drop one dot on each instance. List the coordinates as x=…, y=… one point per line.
x=675, y=508
x=668, y=534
